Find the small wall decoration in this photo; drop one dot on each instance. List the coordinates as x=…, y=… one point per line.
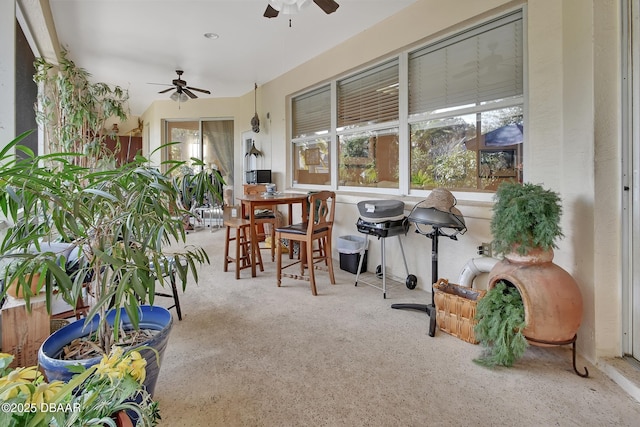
x=255, y=121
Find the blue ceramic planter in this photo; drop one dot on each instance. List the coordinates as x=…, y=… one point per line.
x=151, y=317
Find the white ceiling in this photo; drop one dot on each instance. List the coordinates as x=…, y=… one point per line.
x=131, y=43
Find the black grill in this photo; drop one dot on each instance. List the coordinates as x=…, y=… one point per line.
x=383, y=228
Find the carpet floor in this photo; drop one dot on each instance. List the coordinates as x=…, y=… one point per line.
x=248, y=353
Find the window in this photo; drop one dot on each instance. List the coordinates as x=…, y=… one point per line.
x=467, y=152
x=459, y=138
x=312, y=121
x=458, y=125
x=311, y=162
x=369, y=158
x=368, y=145
x=369, y=97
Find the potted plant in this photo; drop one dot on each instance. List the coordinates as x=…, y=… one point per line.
x=185, y=200
x=536, y=299
x=194, y=188
x=120, y=222
x=102, y=395
x=525, y=217
x=73, y=111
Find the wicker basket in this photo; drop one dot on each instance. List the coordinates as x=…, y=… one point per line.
x=56, y=324
x=456, y=309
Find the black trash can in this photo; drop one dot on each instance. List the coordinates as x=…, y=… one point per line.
x=350, y=248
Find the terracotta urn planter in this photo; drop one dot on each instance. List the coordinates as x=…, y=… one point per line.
x=122, y=419
x=552, y=300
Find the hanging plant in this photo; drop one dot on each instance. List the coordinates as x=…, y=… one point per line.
x=501, y=320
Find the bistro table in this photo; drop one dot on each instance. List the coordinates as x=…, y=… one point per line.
x=251, y=201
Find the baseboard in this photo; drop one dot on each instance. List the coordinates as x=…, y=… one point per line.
x=625, y=372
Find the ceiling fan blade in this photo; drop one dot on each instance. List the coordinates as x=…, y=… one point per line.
x=188, y=92
x=166, y=90
x=199, y=90
x=270, y=12
x=328, y=6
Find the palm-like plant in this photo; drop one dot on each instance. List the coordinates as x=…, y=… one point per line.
x=121, y=220
x=194, y=188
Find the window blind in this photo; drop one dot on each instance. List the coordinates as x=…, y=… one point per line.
x=369, y=97
x=311, y=112
x=482, y=64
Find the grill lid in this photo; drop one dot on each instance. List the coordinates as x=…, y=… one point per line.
x=381, y=210
x=435, y=217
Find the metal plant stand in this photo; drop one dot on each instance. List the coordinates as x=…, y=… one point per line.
x=572, y=341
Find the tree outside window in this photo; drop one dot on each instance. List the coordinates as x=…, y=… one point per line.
x=469, y=152
x=369, y=159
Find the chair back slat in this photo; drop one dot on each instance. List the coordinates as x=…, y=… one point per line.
x=322, y=211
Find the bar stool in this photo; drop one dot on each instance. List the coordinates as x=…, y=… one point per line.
x=265, y=214
x=242, y=238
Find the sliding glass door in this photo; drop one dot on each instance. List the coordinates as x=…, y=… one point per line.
x=208, y=140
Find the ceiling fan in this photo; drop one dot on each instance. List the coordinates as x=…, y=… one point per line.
x=182, y=91
x=292, y=6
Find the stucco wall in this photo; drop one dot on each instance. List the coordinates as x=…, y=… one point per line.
x=607, y=228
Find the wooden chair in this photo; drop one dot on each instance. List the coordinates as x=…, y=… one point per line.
x=265, y=214
x=241, y=237
x=320, y=250
x=318, y=228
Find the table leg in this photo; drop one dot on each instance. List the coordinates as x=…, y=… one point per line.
x=290, y=221
x=254, y=239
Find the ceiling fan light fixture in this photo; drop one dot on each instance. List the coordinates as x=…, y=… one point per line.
x=291, y=7
x=183, y=92
x=288, y=7
x=179, y=97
